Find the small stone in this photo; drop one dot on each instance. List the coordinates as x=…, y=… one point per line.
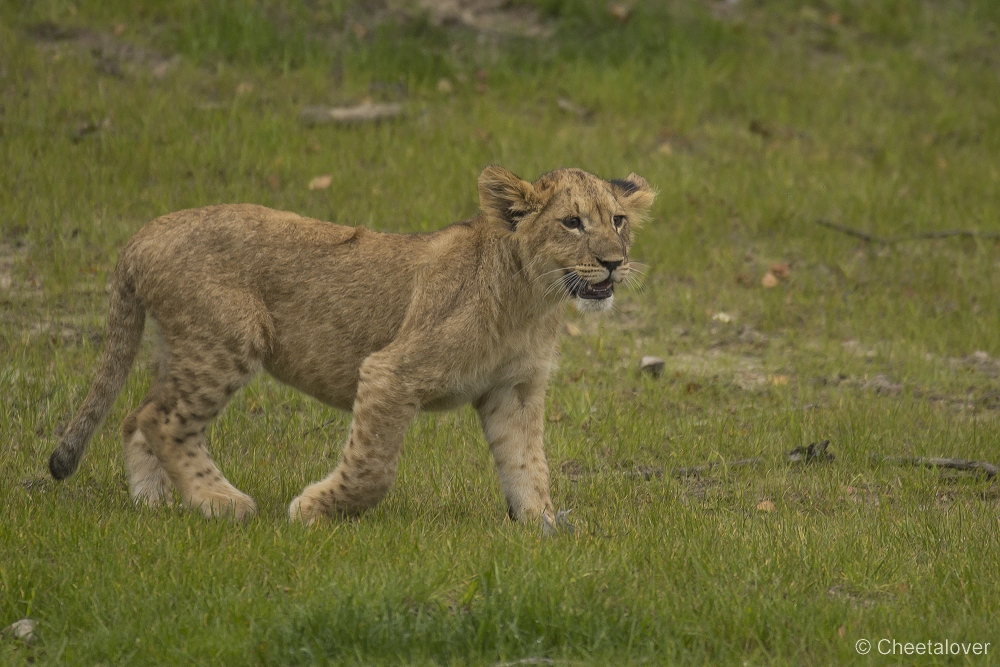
x=652, y=365
x=816, y=452
x=23, y=630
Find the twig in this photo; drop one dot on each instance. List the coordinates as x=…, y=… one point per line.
x=987, y=469
x=321, y=426
x=968, y=233
x=922, y=236
x=857, y=233
x=697, y=470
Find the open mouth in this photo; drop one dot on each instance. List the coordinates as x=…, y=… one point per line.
x=601, y=290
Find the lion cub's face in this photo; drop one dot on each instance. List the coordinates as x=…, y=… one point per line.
x=578, y=228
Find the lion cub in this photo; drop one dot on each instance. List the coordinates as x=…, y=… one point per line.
x=383, y=325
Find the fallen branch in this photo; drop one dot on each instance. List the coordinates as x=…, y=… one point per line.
x=850, y=231
x=987, y=469
x=922, y=236
x=356, y=114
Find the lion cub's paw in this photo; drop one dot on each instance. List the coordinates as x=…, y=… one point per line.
x=153, y=492
x=552, y=526
x=238, y=506
x=305, y=509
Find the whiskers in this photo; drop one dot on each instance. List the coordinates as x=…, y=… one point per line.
x=529, y=265
x=633, y=278
x=569, y=281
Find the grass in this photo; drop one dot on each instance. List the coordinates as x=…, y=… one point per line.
x=753, y=120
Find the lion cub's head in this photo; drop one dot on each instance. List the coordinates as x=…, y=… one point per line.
x=575, y=229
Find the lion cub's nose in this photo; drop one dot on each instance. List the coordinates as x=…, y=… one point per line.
x=610, y=266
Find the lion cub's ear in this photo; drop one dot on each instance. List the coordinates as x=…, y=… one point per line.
x=505, y=196
x=634, y=192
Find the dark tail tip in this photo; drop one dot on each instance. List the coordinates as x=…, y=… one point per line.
x=62, y=464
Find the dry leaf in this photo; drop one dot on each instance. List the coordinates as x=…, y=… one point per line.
x=780, y=380
x=118, y=29
x=572, y=329
x=445, y=86
x=769, y=280
x=841, y=631
x=620, y=10
x=781, y=270
x=359, y=30
x=766, y=506
x=666, y=148
x=556, y=417
x=725, y=318
x=321, y=182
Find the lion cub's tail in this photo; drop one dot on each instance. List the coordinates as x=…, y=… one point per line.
x=126, y=320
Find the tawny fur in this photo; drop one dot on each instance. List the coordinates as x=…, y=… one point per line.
x=383, y=325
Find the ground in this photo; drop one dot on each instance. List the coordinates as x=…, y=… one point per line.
x=803, y=284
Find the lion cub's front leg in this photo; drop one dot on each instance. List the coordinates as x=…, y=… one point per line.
x=383, y=409
x=513, y=422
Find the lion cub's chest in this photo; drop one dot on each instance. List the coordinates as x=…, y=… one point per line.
x=505, y=372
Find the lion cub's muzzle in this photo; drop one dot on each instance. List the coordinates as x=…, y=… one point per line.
x=582, y=284
x=601, y=290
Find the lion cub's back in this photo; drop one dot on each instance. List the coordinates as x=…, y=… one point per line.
x=228, y=236
x=209, y=265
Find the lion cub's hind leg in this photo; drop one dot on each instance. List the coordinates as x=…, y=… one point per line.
x=148, y=482
x=196, y=385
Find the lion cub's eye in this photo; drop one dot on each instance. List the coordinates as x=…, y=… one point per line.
x=618, y=220
x=573, y=223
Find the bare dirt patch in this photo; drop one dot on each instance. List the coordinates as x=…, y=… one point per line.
x=112, y=55
x=500, y=17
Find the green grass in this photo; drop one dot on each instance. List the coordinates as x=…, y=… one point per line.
x=880, y=116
